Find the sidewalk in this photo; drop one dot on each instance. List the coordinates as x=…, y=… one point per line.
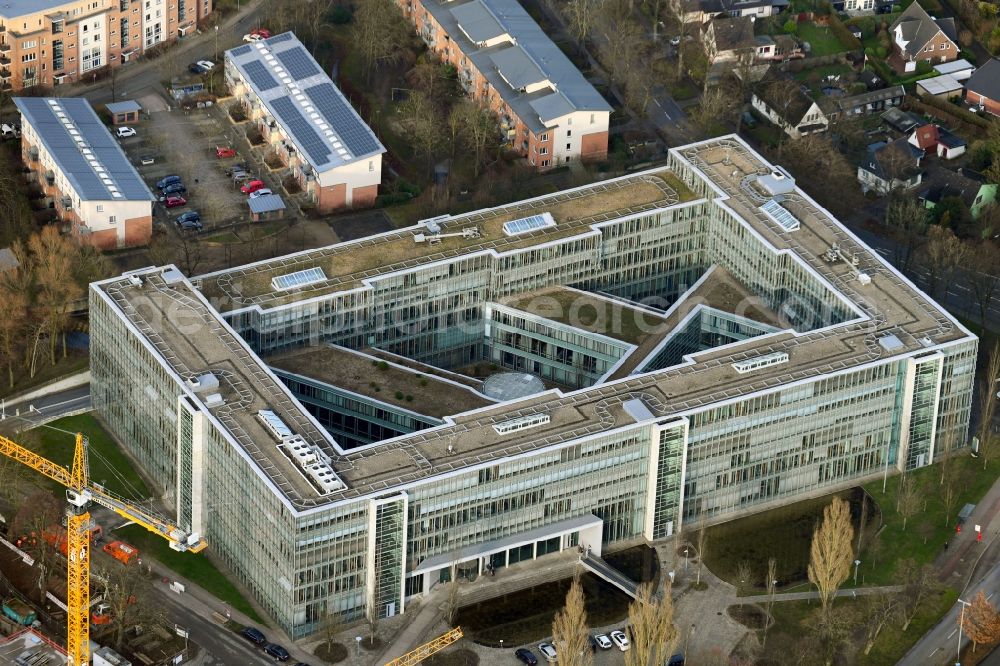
x=958, y=563
x=801, y=596
x=181, y=47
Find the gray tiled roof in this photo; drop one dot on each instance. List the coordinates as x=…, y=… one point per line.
x=985, y=81
x=266, y=203
x=312, y=111
x=530, y=57
x=918, y=28
x=123, y=107
x=83, y=148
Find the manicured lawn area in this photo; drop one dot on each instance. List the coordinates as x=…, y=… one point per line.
x=108, y=464
x=819, y=73
x=195, y=567
x=973, y=482
x=783, y=533
x=821, y=40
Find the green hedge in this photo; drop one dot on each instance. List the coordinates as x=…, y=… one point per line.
x=956, y=111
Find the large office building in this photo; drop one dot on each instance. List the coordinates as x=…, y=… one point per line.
x=304, y=118
x=548, y=111
x=51, y=42
x=350, y=426
x=85, y=176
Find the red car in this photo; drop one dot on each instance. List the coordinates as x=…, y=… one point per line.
x=252, y=187
x=225, y=151
x=263, y=32
x=174, y=202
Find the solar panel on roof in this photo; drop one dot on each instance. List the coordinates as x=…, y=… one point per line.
x=779, y=214
x=240, y=50
x=316, y=149
x=259, y=75
x=336, y=110
x=298, y=63
x=298, y=279
x=283, y=37
x=526, y=224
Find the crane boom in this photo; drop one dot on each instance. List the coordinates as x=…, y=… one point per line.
x=80, y=491
x=427, y=649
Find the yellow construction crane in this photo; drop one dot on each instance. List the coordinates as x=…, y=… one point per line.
x=427, y=649
x=79, y=492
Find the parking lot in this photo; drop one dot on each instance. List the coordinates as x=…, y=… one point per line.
x=183, y=143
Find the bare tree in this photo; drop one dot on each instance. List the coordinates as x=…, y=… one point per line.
x=918, y=581
x=419, y=114
x=580, y=14
x=983, y=276
x=570, y=631
x=949, y=497
x=988, y=406
x=908, y=498
x=478, y=128
x=130, y=599
x=451, y=601
x=14, y=286
x=717, y=106
x=377, y=31
x=880, y=609
x=651, y=620
x=621, y=36
x=38, y=516
x=942, y=256
x=772, y=582
x=677, y=13
x=743, y=582
x=330, y=627
x=702, y=549
x=980, y=621
x=831, y=552
x=908, y=219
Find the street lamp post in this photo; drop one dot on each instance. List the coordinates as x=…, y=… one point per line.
x=856, y=564
x=958, y=650
x=501, y=643
x=685, y=559
x=216, y=42
x=357, y=643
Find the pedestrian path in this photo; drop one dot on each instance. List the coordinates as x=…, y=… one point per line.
x=604, y=570
x=801, y=596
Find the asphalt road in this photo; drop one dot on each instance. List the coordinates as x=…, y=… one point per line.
x=29, y=413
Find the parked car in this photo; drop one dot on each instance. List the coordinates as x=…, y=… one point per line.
x=252, y=37
x=146, y=160
x=252, y=186
x=603, y=641
x=225, y=151
x=621, y=640
x=195, y=68
x=167, y=180
x=174, y=202
x=260, y=193
x=124, y=132
x=675, y=40
x=279, y=653
x=253, y=635
x=239, y=176
x=190, y=226
x=263, y=32
x=526, y=656
x=548, y=651
x=10, y=131
x=676, y=660
x=206, y=65
x=239, y=166
x=174, y=188
x=190, y=216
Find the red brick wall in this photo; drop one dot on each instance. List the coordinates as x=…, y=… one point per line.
x=594, y=146
x=331, y=198
x=992, y=105
x=138, y=231
x=364, y=197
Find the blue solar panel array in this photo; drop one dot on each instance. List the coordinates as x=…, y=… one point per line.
x=283, y=37
x=240, y=50
x=261, y=78
x=332, y=105
x=298, y=63
x=316, y=148
x=69, y=155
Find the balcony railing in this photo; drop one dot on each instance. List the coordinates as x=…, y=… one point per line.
x=4, y=47
x=4, y=73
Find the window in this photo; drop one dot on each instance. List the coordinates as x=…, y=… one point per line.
x=568, y=146
x=569, y=133
x=569, y=121
x=112, y=219
x=100, y=208
x=371, y=165
x=544, y=137
x=545, y=163
x=592, y=117
x=30, y=44
x=544, y=150
x=28, y=57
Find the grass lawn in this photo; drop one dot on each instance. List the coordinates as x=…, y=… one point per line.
x=821, y=40
x=792, y=630
x=819, y=73
x=683, y=91
x=247, y=233
x=108, y=465
x=195, y=567
x=897, y=543
x=783, y=533
x=75, y=362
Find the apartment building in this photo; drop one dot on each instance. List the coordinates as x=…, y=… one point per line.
x=548, y=111
x=726, y=346
x=307, y=121
x=51, y=42
x=85, y=176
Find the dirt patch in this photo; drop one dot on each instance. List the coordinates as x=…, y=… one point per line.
x=750, y=616
x=334, y=655
x=463, y=657
x=360, y=225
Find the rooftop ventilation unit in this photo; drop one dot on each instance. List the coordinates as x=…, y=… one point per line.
x=777, y=182
x=522, y=423
x=758, y=362
x=202, y=383
x=214, y=400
